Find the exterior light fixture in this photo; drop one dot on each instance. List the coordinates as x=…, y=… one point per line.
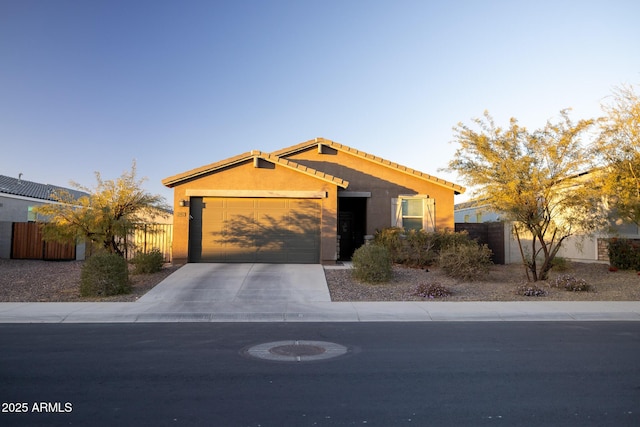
x=184, y=203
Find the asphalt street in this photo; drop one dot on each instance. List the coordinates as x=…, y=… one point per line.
x=393, y=374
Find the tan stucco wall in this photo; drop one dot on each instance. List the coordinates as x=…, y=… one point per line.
x=245, y=176
x=383, y=182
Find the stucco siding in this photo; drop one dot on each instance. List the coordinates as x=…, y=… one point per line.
x=324, y=171
x=247, y=178
x=383, y=182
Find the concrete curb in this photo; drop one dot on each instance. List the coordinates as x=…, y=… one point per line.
x=138, y=312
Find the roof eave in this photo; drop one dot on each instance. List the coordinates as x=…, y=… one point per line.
x=457, y=189
x=174, y=180
x=197, y=172
x=305, y=170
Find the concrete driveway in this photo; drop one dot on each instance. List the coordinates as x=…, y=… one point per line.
x=242, y=283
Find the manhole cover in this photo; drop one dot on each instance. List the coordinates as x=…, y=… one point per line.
x=296, y=351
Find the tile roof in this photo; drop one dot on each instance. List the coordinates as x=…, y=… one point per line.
x=24, y=188
x=195, y=173
x=458, y=189
x=469, y=204
x=280, y=157
x=305, y=169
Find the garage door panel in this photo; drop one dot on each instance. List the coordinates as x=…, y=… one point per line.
x=211, y=203
x=309, y=245
x=267, y=203
x=260, y=230
x=239, y=203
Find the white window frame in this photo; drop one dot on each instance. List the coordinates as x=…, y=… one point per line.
x=428, y=211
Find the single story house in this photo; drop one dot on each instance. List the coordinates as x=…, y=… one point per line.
x=18, y=198
x=313, y=202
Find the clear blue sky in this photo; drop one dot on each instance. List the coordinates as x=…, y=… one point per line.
x=91, y=85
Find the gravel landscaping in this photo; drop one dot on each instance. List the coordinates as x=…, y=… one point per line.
x=500, y=285
x=59, y=281
x=39, y=281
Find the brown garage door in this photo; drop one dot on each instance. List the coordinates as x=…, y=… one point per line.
x=259, y=230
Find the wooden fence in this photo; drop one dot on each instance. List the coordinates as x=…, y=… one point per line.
x=27, y=243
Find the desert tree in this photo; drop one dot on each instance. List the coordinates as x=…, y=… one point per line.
x=536, y=179
x=103, y=216
x=618, y=148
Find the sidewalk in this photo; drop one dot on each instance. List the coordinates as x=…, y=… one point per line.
x=141, y=312
x=293, y=293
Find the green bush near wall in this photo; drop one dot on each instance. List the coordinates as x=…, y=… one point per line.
x=151, y=262
x=466, y=262
x=104, y=274
x=459, y=256
x=372, y=264
x=624, y=254
x=418, y=248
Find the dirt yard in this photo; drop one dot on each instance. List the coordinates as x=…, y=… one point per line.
x=37, y=281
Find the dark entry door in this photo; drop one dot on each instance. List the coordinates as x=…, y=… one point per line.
x=346, y=232
x=352, y=222
x=196, y=205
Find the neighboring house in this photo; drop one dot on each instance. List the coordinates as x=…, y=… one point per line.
x=18, y=198
x=472, y=212
x=582, y=248
x=313, y=202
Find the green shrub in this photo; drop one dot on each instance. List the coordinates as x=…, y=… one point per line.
x=431, y=290
x=392, y=239
x=447, y=239
x=418, y=248
x=104, y=274
x=559, y=264
x=572, y=284
x=624, y=254
x=150, y=262
x=372, y=264
x=468, y=261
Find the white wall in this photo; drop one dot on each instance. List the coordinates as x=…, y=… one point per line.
x=16, y=209
x=574, y=248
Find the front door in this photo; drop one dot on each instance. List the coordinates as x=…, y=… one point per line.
x=352, y=214
x=347, y=238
